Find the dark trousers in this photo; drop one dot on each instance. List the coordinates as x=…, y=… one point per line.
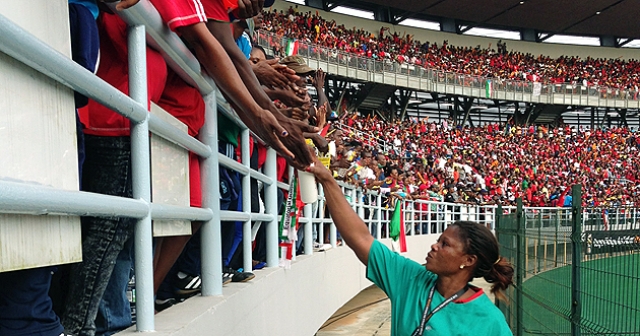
x=107, y=170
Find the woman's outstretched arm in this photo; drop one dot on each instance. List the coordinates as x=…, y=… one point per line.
x=353, y=230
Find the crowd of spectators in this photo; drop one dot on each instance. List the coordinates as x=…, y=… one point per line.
x=484, y=165
x=494, y=163
x=271, y=98
x=311, y=28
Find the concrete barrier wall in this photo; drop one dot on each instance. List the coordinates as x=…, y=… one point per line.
x=293, y=302
x=37, y=141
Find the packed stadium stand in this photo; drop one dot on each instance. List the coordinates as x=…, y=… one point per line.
x=158, y=159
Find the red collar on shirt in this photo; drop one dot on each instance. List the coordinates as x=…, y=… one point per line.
x=478, y=293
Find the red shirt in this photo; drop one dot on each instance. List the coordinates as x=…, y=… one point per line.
x=166, y=88
x=113, y=69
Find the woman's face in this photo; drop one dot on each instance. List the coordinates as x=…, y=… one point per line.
x=448, y=253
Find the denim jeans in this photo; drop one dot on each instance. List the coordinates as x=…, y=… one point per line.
x=114, y=312
x=25, y=307
x=107, y=170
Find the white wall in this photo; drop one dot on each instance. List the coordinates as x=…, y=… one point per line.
x=294, y=302
x=38, y=141
x=550, y=49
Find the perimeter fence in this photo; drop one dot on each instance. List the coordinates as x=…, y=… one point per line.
x=576, y=270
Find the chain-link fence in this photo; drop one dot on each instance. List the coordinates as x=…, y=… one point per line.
x=577, y=270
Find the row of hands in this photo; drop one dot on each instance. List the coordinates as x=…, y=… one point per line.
x=283, y=130
x=287, y=130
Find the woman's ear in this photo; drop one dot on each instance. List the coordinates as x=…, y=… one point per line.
x=471, y=260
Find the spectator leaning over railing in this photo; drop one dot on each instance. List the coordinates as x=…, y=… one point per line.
x=108, y=149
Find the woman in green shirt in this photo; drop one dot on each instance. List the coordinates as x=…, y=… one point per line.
x=436, y=299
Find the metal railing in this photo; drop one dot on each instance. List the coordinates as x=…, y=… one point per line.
x=421, y=217
x=433, y=80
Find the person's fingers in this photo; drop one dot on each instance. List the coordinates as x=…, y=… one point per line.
x=281, y=68
x=279, y=130
x=297, y=165
x=305, y=128
x=273, y=62
x=255, y=8
x=281, y=148
x=281, y=80
x=242, y=8
x=320, y=142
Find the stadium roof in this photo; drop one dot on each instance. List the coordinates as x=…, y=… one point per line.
x=615, y=18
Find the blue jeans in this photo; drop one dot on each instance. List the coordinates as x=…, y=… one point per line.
x=25, y=306
x=114, y=312
x=107, y=170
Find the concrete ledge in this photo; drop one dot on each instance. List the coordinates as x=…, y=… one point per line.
x=292, y=302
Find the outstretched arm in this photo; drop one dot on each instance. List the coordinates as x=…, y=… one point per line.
x=353, y=230
x=294, y=142
x=217, y=64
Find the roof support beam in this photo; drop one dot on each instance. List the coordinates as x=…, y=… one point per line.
x=543, y=37
x=622, y=42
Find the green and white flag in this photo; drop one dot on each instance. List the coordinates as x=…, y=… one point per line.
x=292, y=47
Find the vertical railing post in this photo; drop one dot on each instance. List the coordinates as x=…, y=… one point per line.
x=211, y=252
x=308, y=229
x=271, y=207
x=539, y=242
x=141, y=180
x=429, y=218
x=379, y=218
x=498, y=233
x=555, y=261
x=520, y=267
x=321, y=213
x=246, y=202
x=576, y=258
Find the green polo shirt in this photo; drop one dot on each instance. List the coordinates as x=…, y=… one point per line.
x=407, y=284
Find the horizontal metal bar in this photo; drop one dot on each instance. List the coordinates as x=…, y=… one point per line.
x=174, y=51
x=283, y=185
x=261, y=177
x=261, y=217
x=228, y=111
x=232, y=164
x=173, y=134
x=241, y=216
x=242, y=169
x=31, y=199
x=26, y=48
x=174, y=212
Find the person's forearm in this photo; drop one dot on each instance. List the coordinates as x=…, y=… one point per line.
x=322, y=98
x=222, y=32
x=351, y=227
x=250, y=80
x=218, y=65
